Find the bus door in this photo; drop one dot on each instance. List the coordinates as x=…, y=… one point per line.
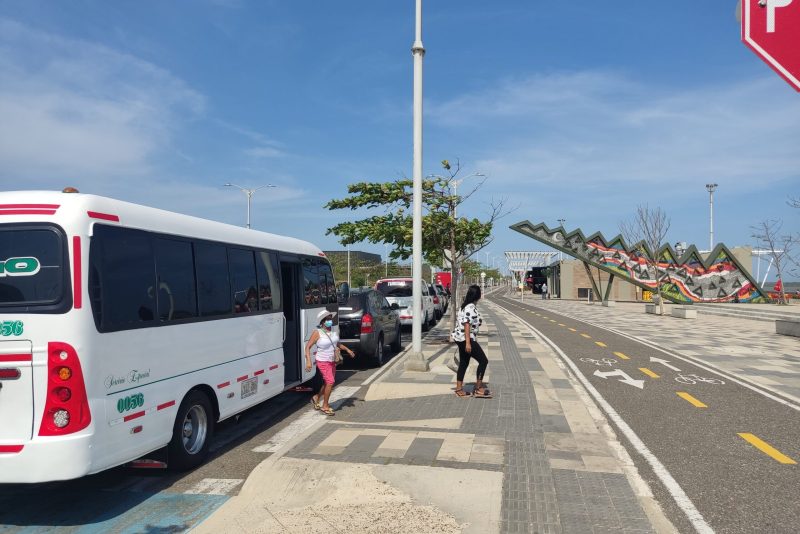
x=293, y=356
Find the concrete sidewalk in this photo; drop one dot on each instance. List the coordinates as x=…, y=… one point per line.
x=405, y=454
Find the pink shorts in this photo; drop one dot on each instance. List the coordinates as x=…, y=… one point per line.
x=328, y=371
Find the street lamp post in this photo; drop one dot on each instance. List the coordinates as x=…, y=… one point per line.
x=386, y=258
x=711, y=188
x=416, y=361
x=249, y=193
x=561, y=222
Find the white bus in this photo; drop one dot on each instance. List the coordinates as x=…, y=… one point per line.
x=124, y=329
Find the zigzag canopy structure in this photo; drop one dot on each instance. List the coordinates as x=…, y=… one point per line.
x=688, y=278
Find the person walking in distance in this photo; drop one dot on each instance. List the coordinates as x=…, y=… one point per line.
x=327, y=342
x=466, y=337
x=544, y=290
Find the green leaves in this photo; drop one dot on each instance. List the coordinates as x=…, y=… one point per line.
x=440, y=229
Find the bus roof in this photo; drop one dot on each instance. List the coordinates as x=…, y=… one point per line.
x=78, y=210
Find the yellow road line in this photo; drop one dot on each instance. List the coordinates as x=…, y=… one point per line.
x=766, y=448
x=600, y=344
x=648, y=372
x=572, y=330
x=688, y=398
x=621, y=355
x=587, y=336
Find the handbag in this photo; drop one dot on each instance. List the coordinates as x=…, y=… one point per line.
x=453, y=362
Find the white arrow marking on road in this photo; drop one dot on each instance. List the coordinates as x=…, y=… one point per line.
x=625, y=378
x=665, y=363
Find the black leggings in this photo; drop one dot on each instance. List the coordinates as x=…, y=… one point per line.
x=463, y=359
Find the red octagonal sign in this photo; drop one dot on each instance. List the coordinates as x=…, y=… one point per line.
x=771, y=28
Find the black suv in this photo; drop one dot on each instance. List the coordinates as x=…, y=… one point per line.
x=367, y=322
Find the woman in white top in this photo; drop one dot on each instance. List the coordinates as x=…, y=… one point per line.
x=327, y=342
x=466, y=337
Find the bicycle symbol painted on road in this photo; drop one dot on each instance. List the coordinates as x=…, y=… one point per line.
x=694, y=379
x=605, y=362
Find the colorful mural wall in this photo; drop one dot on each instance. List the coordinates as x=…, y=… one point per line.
x=685, y=279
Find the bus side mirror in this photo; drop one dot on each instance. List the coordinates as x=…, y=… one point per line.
x=343, y=292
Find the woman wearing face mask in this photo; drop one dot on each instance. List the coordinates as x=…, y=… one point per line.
x=466, y=337
x=327, y=342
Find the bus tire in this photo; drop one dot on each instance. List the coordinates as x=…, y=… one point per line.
x=192, y=431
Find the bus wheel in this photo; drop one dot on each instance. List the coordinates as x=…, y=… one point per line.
x=191, y=434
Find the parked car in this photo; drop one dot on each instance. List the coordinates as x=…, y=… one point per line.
x=443, y=294
x=438, y=302
x=367, y=322
x=398, y=291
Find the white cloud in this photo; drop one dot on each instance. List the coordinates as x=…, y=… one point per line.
x=601, y=130
x=71, y=108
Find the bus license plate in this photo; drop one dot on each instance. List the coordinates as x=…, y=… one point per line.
x=249, y=387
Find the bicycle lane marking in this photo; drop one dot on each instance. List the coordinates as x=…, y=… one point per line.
x=758, y=388
x=662, y=473
x=682, y=378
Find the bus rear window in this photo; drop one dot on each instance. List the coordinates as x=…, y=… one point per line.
x=32, y=267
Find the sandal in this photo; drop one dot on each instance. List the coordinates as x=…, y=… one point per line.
x=461, y=393
x=328, y=411
x=482, y=393
x=315, y=404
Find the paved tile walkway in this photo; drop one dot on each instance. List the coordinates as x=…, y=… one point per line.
x=560, y=473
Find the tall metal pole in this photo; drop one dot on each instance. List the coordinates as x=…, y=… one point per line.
x=416, y=361
x=711, y=188
x=249, y=192
x=249, y=201
x=349, y=283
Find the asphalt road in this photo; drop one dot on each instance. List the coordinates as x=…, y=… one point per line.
x=156, y=501
x=729, y=448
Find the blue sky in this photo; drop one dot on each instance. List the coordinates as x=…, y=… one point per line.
x=578, y=110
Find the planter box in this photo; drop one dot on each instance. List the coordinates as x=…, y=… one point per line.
x=652, y=308
x=787, y=327
x=684, y=312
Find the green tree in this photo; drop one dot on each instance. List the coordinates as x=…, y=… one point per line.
x=441, y=228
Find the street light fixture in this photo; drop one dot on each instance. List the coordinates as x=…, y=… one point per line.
x=249, y=193
x=561, y=222
x=711, y=188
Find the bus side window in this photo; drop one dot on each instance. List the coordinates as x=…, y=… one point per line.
x=126, y=271
x=213, y=284
x=311, y=293
x=176, y=289
x=269, y=285
x=243, y=280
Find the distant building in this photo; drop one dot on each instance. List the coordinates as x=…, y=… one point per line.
x=355, y=255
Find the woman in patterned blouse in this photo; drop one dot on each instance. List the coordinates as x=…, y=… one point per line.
x=465, y=335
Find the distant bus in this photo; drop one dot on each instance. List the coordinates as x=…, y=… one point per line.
x=126, y=328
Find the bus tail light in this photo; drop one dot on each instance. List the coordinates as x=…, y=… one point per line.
x=10, y=374
x=66, y=407
x=366, y=324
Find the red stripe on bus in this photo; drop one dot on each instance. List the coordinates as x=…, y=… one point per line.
x=16, y=357
x=223, y=385
x=76, y=273
x=241, y=378
x=133, y=416
x=104, y=216
x=165, y=405
x=27, y=212
x=259, y=372
x=10, y=449
x=36, y=206
x=273, y=367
